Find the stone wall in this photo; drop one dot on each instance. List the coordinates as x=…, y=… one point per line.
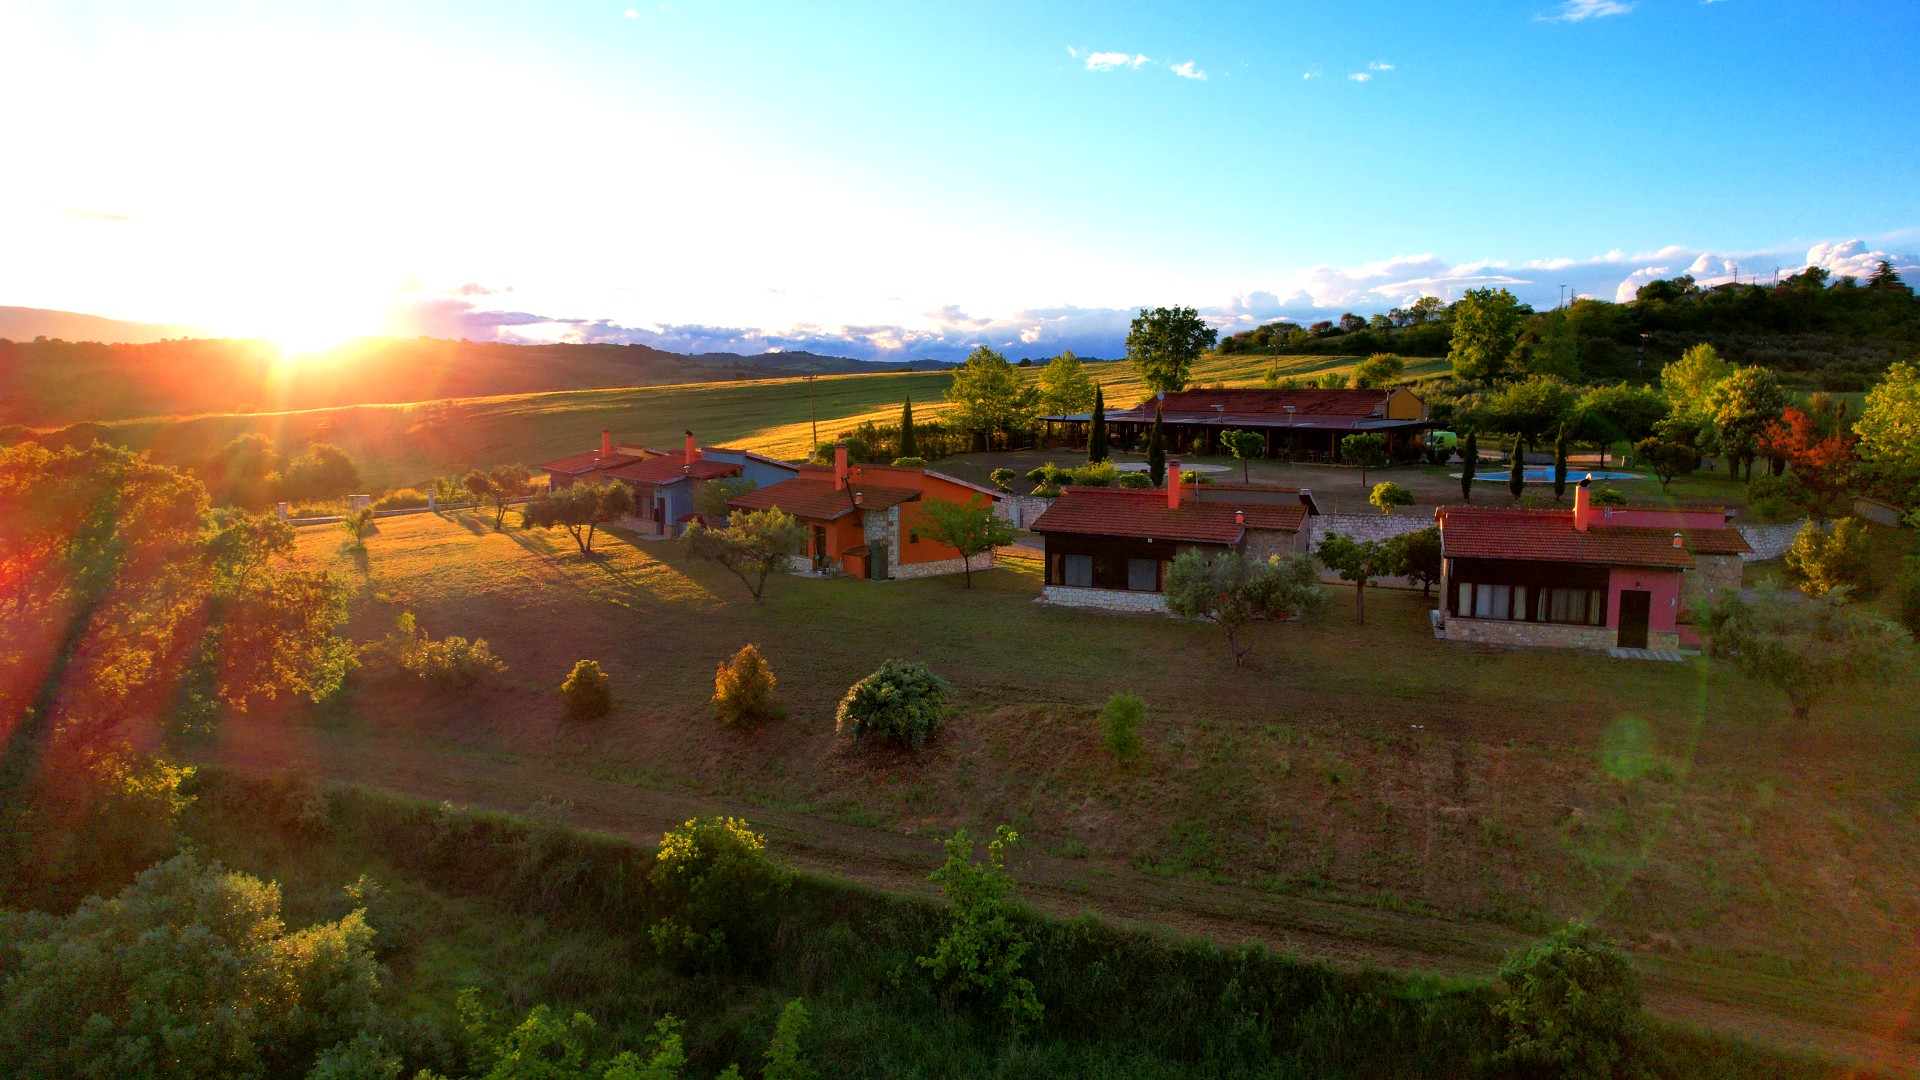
x=1104, y=599
x=881, y=529
x=1020, y=510
x=1533, y=635
x=1366, y=526
x=1711, y=573
x=1261, y=543
x=938, y=567
x=1769, y=541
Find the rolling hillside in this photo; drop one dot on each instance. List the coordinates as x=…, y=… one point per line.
x=398, y=445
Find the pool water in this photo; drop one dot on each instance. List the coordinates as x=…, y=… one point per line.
x=1545, y=476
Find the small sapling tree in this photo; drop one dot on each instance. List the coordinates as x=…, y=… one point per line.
x=743, y=689
x=902, y=703
x=753, y=544
x=1387, y=495
x=1366, y=451
x=1358, y=561
x=1231, y=591
x=499, y=486
x=586, y=692
x=1244, y=446
x=1120, y=722
x=1667, y=459
x=980, y=954
x=357, y=524
x=969, y=528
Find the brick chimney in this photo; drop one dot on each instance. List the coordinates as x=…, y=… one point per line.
x=693, y=450
x=1173, y=484
x=1583, y=504
x=1679, y=541
x=840, y=468
x=606, y=442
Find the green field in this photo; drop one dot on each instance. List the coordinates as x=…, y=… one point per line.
x=399, y=445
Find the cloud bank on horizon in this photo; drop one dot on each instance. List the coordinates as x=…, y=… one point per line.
x=1304, y=296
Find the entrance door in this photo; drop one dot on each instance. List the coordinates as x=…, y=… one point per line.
x=819, y=548
x=1634, y=609
x=877, y=562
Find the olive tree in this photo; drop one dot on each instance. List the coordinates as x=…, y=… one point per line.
x=753, y=544
x=1231, y=591
x=579, y=509
x=1806, y=648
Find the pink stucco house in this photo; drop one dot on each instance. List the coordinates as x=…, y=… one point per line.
x=1594, y=577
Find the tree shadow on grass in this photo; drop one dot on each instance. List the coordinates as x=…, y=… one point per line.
x=621, y=574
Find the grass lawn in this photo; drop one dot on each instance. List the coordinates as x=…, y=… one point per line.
x=1365, y=794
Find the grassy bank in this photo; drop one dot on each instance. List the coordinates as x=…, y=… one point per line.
x=530, y=912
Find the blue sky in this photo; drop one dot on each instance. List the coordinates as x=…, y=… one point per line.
x=897, y=180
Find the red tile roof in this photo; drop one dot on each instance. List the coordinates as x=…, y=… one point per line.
x=665, y=470
x=1143, y=512
x=1716, y=541
x=588, y=462
x=817, y=499
x=1549, y=536
x=1355, y=403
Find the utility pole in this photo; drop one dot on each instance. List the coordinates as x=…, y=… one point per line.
x=814, y=413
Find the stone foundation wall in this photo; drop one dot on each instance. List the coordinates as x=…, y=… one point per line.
x=1710, y=574
x=1020, y=510
x=1533, y=635
x=938, y=567
x=1104, y=599
x=1261, y=543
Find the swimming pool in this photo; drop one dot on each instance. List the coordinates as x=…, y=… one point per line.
x=1545, y=476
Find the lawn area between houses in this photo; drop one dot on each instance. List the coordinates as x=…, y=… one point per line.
x=1360, y=795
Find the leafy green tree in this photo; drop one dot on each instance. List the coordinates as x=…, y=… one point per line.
x=743, y=688
x=1889, y=428
x=1244, y=446
x=1625, y=412
x=752, y=545
x=1517, y=468
x=241, y=545
x=1230, y=591
x=1572, y=1006
x=1097, y=428
x=1358, y=561
x=245, y=470
x=587, y=692
x=499, y=485
x=579, y=509
x=990, y=397
x=1120, y=721
x=1689, y=382
x=1157, y=451
x=189, y=971
x=721, y=893
x=1002, y=479
x=1387, y=495
x=1380, y=369
x=969, y=528
x=981, y=951
x=1821, y=561
x=1550, y=347
x=1742, y=405
x=710, y=498
x=1065, y=386
x=357, y=523
x=1416, y=557
x=1806, y=648
x=1164, y=342
x=1368, y=451
x=902, y=703
x=1667, y=459
x=324, y=471
x=1469, y=464
x=1534, y=407
x=1486, y=324
x=909, y=445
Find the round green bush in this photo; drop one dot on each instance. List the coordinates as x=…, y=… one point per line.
x=902, y=703
x=1134, y=480
x=910, y=462
x=586, y=691
x=721, y=895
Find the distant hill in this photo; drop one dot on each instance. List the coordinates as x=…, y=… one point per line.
x=25, y=324
x=55, y=382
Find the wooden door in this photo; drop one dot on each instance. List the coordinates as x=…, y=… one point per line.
x=1635, y=607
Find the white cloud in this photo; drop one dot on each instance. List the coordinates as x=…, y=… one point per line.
x=1107, y=61
x=631, y=14
x=1308, y=74
x=1188, y=71
x=1073, y=52
x=1581, y=10
x=1379, y=65
x=1851, y=258
x=1360, y=76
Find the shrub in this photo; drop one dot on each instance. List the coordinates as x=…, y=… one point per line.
x=1002, y=479
x=743, y=689
x=784, y=1059
x=1777, y=498
x=1387, y=495
x=357, y=524
x=1572, y=1006
x=1045, y=491
x=1119, y=720
x=720, y=893
x=901, y=703
x=1097, y=474
x=401, y=499
x=1821, y=561
x=586, y=692
x=1050, y=475
x=1134, y=480
x=981, y=951
x=452, y=663
x=910, y=462
x=1606, y=496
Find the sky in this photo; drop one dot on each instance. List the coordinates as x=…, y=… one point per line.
x=899, y=181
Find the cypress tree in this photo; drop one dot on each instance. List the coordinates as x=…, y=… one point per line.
x=1157, y=452
x=1097, y=429
x=1469, y=461
x=1517, y=470
x=1560, y=464
x=908, y=446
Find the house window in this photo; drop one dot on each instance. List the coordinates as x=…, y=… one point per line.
x=1143, y=575
x=1078, y=571
x=1581, y=607
x=913, y=536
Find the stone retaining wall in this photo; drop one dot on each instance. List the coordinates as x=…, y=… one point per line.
x=938, y=567
x=1020, y=510
x=1104, y=599
x=1366, y=526
x=1769, y=541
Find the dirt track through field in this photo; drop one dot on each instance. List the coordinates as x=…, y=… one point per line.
x=1783, y=1015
